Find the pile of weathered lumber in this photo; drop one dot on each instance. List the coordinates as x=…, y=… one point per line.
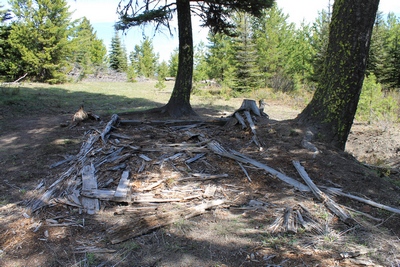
x=146, y=171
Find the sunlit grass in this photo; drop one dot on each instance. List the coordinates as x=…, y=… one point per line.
x=99, y=97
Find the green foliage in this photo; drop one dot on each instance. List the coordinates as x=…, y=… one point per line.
x=143, y=59
x=162, y=72
x=43, y=55
x=88, y=52
x=219, y=59
x=271, y=31
x=117, y=56
x=247, y=74
x=374, y=105
x=319, y=41
x=390, y=75
x=173, y=63
x=200, y=63
x=214, y=14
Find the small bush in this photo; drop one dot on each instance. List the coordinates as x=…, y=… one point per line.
x=374, y=105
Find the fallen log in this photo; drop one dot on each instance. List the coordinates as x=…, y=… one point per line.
x=328, y=202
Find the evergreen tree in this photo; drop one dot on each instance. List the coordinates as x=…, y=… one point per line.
x=8, y=54
x=271, y=34
x=162, y=72
x=214, y=14
x=220, y=58
x=247, y=75
x=320, y=38
x=88, y=51
x=47, y=23
x=334, y=104
x=173, y=63
x=300, y=54
x=391, y=75
x=117, y=55
x=200, y=65
x=144, y=59
x=378, y=52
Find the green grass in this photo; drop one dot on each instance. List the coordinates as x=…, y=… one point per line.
x=101, y=98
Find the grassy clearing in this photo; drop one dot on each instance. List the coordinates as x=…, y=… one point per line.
x=100, y=97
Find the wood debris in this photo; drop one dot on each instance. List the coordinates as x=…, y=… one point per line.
x=177, y=174
x=329, y=203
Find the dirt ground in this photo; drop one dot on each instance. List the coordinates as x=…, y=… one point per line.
x=240, y=232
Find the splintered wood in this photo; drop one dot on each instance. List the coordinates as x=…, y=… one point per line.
x=169, y=170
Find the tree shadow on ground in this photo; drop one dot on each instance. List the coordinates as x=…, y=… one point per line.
x=225, y=235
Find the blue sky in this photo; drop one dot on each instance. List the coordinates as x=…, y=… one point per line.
x=102, y=15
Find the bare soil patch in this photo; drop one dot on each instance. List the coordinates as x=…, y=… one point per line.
x=236, y=233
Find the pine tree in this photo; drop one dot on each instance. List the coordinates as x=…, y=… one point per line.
x=214, y=14
x=144, y=59
x=378, y=52
x=8, y=54
x=247, y=74
x=200, y=65
x=173, y=63
x=117, y=55
x=162, y=72
x=47, y=23
x=319, y=42
x=330, y=113
x=88, y=51
x=272, y=33
x=299, y=55
x=391, y=75
x=220, y=58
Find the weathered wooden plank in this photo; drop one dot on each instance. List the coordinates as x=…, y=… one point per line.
x=123, y=186
x=198, y=156
x=329, y=203
x=89, y=182
x=253, y=128
x=240, y=120
x=220, y=150
x=102, y=194
x=339, y=192
x=109, y=126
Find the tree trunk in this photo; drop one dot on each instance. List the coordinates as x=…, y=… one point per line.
x=331, y=112
x=179, y=103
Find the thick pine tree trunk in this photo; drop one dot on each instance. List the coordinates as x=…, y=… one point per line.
x=179, y=103
x=331, y=112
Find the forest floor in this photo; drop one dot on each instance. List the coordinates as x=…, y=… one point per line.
x=244, y=229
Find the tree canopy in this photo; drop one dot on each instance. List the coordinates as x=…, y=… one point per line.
x=214, y=14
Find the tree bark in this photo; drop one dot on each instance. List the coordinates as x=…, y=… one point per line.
x=179, y=103
x=331, y=112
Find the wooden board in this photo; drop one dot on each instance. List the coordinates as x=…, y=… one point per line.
x=123, y=186
x=89, y=182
